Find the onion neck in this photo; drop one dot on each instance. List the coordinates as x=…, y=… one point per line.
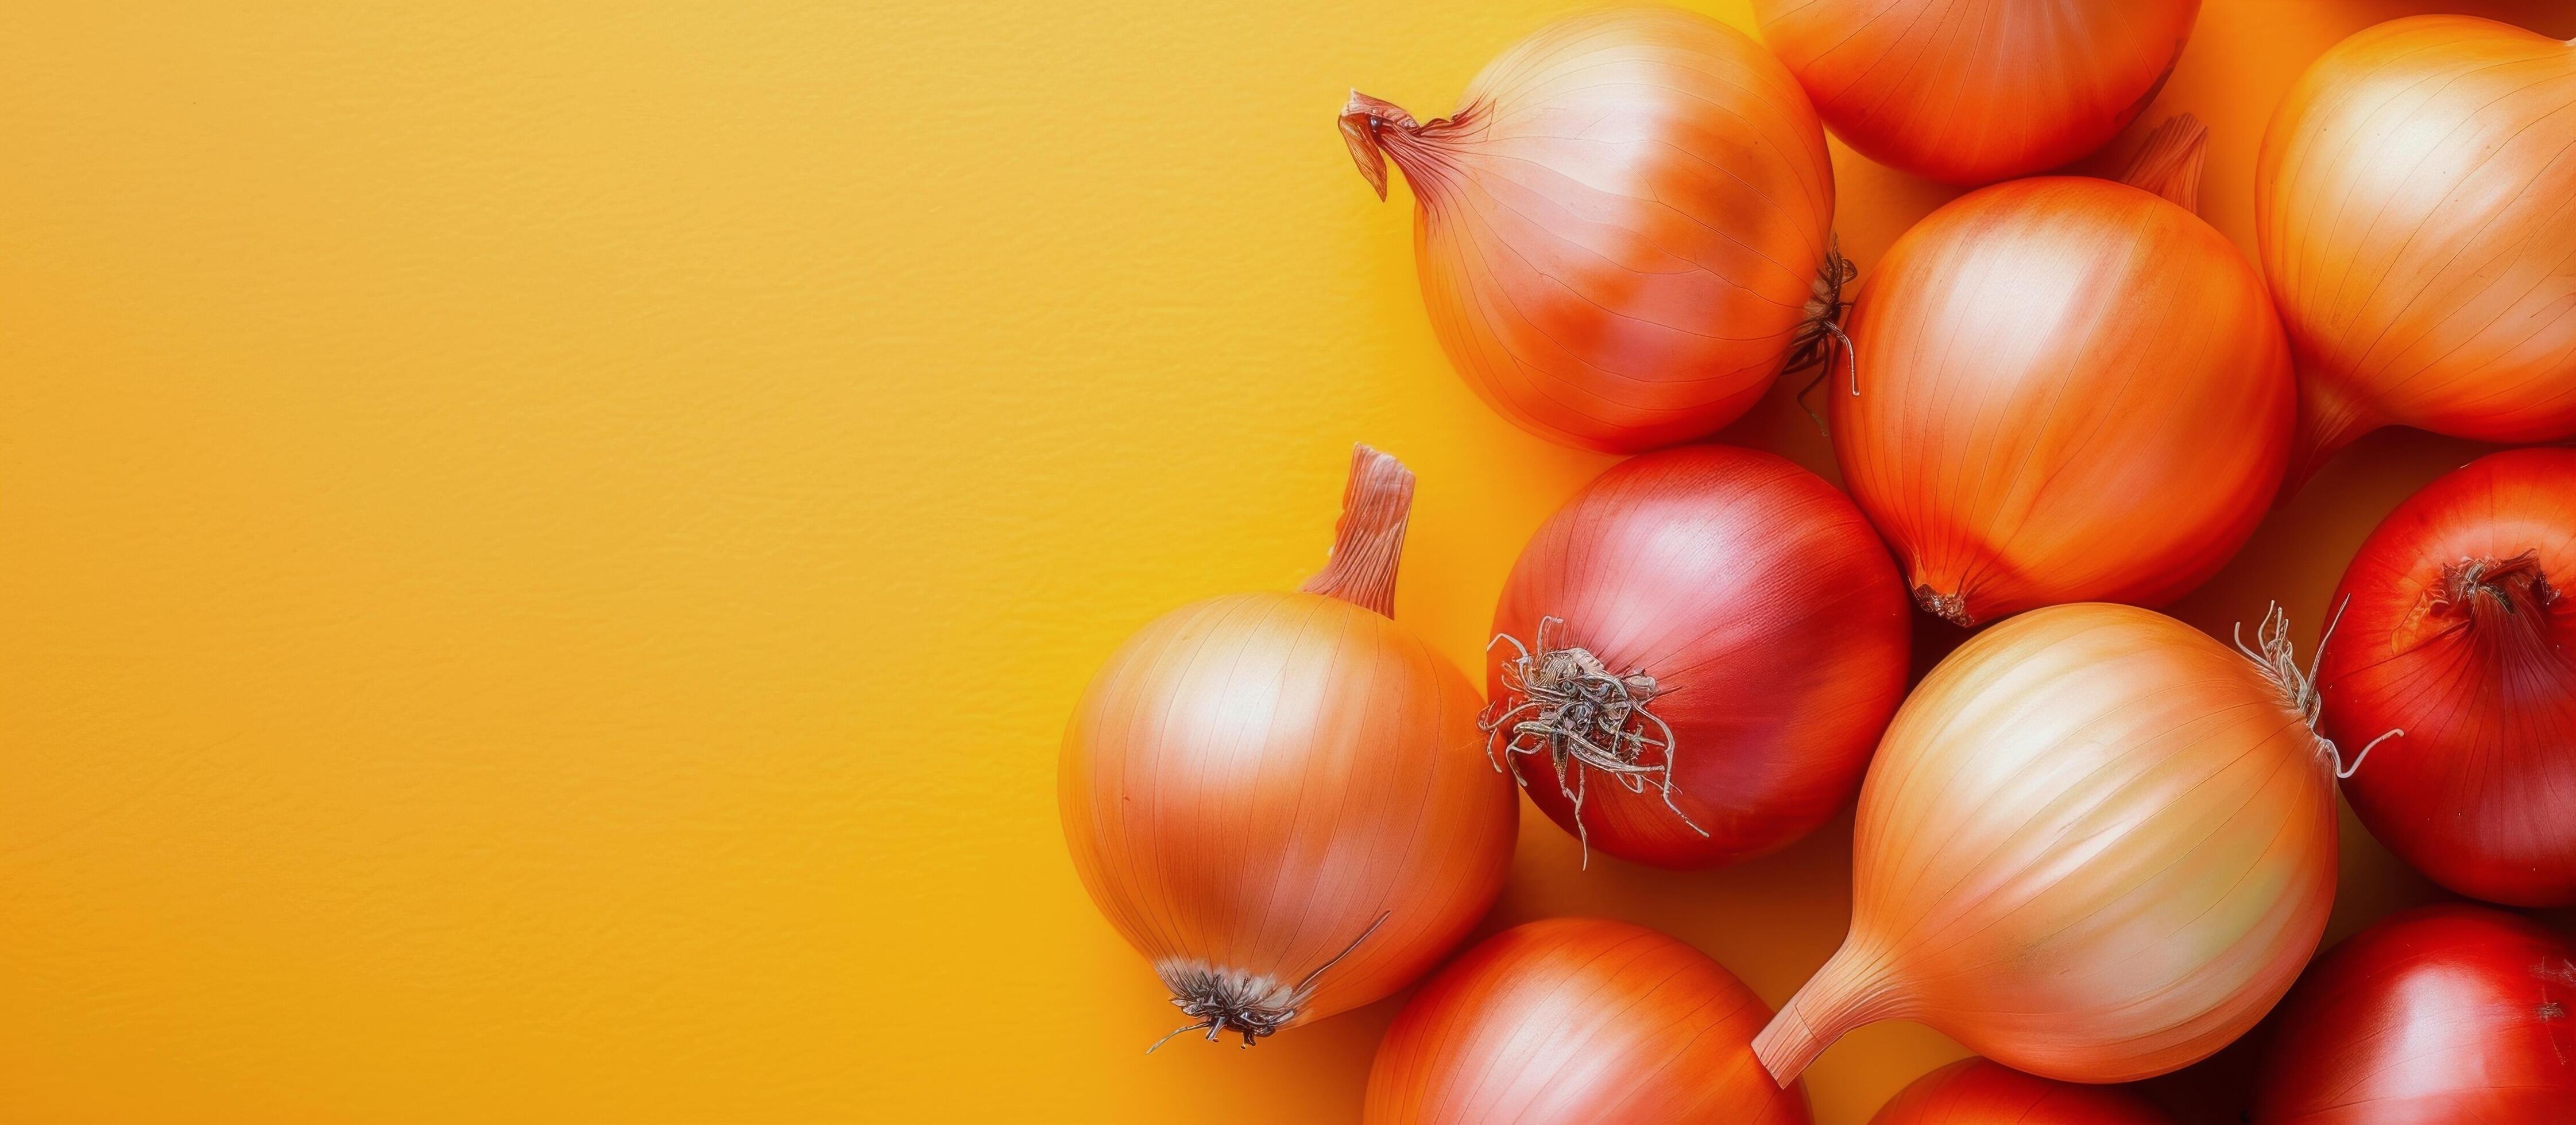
x=1376, y=130
x=1846, y=993
x=2169, y=162
x=2329, y=419
x=1368, y=543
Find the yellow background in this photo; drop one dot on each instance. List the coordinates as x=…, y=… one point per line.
x=544, y=548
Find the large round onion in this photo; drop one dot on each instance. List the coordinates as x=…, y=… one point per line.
x=1622, y=230
x=1576, y=1021
x=2460, y=631
x=2443, y=1015
x=2069, y=390
x=1695, y=655
x=2412, y=200
x=2095, y=845
x=1974, y=91
x=1979, y=1092
x=1281, y=799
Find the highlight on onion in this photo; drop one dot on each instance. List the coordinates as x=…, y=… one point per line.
x=1575, y=1021
x=2459, y=631
x=2442, y=1014
x=1282, y=799
x=1973, y=91
x=1979, y=1092
x=2070, y=390
x=2412, y=202
x=1695, y=655
x=2095, y=845
x=1622, y=232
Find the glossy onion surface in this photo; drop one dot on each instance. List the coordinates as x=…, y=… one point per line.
x=2070, y=390
x=1750, y=614
x=2445, y=1015
x=1979, y=1092
x=2416, y=204
x=2096, y=845
x=1578, y=1021
x=1281, y=799
x=2461, y=632
x=1620, y=229
x=1974, y=91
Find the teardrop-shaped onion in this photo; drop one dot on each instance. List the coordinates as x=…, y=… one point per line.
x=1980, y=1092
x=1695, y=655
x=2069, y=390
x=2443, y=1015
x=2096, y=845
x=1578, y=1021
x=2413, y=201
x=1622, y=230
x=1974, y=91
x=2459, y=631
x=1282, y=799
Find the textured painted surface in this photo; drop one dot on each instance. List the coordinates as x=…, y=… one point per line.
x=545, y=549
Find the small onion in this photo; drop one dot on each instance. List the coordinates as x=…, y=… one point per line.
x=1577, y=1021
x=1622, y=231
x=1978, y=1092
x=2442, y=1015
x=2460, y=634
x=2095, y=845
x=2412, y=201
x=1974, y=91
x=1695, y=655
x=2069, y=390
x=1281, y=799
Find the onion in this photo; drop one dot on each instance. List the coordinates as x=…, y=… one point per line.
x=1694, y=657
x=2413, y=205
x=1573, y=1021
x=1974, y=91
x=1281, y=799
x=2443, y=1014
x=1978, y=1092
x=2459, y=632
x=2095, y=845
x=2071, y=390
x=1622, y=231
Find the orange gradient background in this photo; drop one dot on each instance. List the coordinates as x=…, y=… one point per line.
x=545, y=549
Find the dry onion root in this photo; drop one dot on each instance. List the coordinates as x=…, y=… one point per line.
x=1280, y=799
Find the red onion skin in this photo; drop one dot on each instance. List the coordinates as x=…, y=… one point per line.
x=2480, y=791
x=1975, y=1091
x=1760, y=599
x=2442, y=1015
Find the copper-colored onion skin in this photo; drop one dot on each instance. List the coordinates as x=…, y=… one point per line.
x=1980, y=1092
x=2480, y=790
x=1760, y=599
x=2095, y=845
x=1252, y=782
x=2412, y=201
x=2450, y=1014
x=1579, y=1021
x=2070, y=390
x=1973, y=91
x=1619, y=228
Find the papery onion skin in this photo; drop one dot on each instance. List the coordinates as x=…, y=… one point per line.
x=1579, y=1021
x=1260, y=784
x=2441, y=1015
x=1973, y=91
x=2459, y=629
x=2412, y=201
x=2070, y=390
x=2095, y=845
x=1620, y=229
x=1769, y=618
x=1981, y=1092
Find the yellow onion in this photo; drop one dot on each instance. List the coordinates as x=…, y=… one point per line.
x=1282, y=799
x=2095, y=845
x=2416, y=205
